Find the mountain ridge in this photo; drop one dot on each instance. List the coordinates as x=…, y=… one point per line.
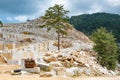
x=87, y=23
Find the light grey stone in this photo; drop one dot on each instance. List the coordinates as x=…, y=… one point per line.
x=32, y=70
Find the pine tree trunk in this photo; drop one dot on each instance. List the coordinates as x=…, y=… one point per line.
x=58, y=40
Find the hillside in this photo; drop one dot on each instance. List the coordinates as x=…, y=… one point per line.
x=31, y=29
x=87, y=23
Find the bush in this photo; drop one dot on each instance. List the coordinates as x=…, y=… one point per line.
x=119, y=55
x=106, y=47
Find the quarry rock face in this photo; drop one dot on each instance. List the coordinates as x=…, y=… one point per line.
x=26, y=40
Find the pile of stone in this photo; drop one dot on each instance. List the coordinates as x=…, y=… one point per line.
x=76, y=63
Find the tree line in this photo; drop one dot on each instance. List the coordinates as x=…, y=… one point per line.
x=88, y=23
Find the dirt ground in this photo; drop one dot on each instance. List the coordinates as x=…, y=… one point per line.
x=5, y=75
x=37, y=77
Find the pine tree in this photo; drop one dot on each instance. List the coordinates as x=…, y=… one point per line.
x=1, y=24
x=106, y=47
x=118, y=54
x=56, y=18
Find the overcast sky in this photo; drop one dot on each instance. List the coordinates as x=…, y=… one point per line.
x=21, y=10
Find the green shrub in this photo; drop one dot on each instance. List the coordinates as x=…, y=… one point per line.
x=106, y=47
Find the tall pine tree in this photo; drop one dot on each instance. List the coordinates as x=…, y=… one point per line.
x=56, y=18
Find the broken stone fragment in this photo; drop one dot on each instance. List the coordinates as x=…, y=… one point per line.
x=50, y=59
x=60, y=71
x=32, y=70
x=46, y=74
x=87, y=72
x=56, y=64
x=72, y=71
x=44, y=66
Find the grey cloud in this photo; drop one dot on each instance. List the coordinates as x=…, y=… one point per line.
x=18, y=6
x=84, y=6
x=29, y=7
x=37, y=8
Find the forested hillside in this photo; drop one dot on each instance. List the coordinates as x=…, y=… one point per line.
x=87, y=23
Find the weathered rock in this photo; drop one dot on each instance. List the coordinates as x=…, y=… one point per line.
x=81, y=70
x=56, y=64
x=69, y=72
x=48, y=54
x=113, y=73
x=44, y=67
x=75, y=64
x=46, y=74
x=74, y=71
x=87, y=71
x=12, y=62
x=25, y=73
x=50, y=59
x=32, y=70
x=70, y=59
x=60, y=71
x=16, y=73
x=67, y=64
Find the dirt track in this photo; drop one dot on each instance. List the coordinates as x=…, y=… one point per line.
x=36, y=77
x=7, y=76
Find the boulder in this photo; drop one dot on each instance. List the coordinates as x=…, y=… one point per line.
x=70, y=59
x=67, y=64
x=87, y=72
x=49, y=59
x=25, y=73
x=75, y=64
x=12, y=62
x=56, y=64
x=60, y=71
x=72, y=71
x=46, y=74
x=113, y=73
x=32, y=70
x=103, y=70
x=48, y=54
x=44, y=66
x=69, y=72
x=81, y=70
